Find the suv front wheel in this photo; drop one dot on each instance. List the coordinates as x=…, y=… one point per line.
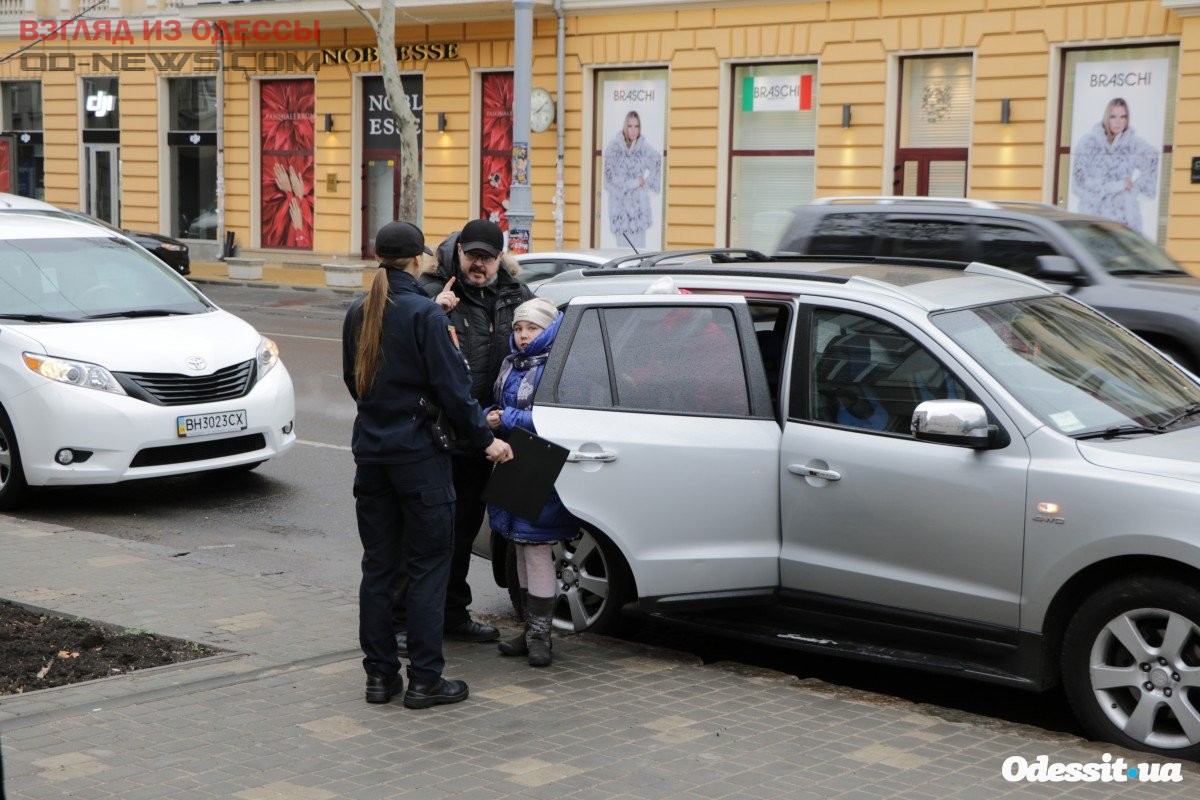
x=1131, y=665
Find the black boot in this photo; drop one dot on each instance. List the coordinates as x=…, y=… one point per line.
x=540, y=611
x=515, y=646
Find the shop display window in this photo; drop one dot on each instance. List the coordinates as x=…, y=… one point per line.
x=772, y=149
x=1115, y=134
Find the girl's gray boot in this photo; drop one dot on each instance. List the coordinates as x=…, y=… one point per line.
x=537, y=632
x=515, y=645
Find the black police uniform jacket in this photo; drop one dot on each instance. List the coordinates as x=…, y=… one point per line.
x=483, y=333
x=420, y=359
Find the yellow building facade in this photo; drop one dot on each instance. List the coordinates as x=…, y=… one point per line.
x=744, y=110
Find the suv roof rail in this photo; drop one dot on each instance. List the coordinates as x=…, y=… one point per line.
x=716, y=255
x=841, y=258
x=1030, y=204
x=892, y=199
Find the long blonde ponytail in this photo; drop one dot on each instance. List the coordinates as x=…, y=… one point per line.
x=370, y=335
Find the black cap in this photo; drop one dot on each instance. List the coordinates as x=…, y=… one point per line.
x=482, y=234
x=400, y=239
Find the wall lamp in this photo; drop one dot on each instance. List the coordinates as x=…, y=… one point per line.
x=846, y=115
x=329, y=123
x=1005, y=111
x=441, y=122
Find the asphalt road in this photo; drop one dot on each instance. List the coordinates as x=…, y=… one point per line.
x=295, y=516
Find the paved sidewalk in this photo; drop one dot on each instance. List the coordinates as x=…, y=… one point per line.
x=282, y=715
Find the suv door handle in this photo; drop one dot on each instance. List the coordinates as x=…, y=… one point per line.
x=813, y=472
x=575, y=457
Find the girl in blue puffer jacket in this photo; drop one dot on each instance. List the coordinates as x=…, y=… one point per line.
x=535, y=324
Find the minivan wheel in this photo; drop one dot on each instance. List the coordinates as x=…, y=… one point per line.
x=1131, y=665
x=12, y=476
x=593, y=584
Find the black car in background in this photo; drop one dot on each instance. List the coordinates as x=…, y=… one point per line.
x=1098, y=262
x=171, y=252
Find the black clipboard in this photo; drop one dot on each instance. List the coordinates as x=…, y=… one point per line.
x=523, y=485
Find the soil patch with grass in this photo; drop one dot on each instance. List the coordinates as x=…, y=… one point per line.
x=41, y=650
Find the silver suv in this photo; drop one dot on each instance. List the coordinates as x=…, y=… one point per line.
x=954, y=470
x=1096, y=261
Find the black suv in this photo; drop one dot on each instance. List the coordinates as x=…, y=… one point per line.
x=1098, y=262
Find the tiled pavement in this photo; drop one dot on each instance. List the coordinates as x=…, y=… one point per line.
x=282, y=715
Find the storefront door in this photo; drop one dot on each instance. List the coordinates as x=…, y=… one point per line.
x=931, y=172
x=101, y=179
x=381, y=188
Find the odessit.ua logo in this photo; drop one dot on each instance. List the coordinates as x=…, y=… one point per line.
x=1109, y=770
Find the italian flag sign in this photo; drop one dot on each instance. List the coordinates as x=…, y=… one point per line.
x=777, y=93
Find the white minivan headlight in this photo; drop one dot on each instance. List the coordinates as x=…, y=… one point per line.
x=267, y=356
x=76, y=373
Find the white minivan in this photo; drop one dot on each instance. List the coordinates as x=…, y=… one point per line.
x=113, y=367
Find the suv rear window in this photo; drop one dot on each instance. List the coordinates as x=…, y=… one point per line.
x=844, y=235
x=679, y=360
x=1012, y=248
x=925, y=238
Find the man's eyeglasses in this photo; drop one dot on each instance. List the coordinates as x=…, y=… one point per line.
x=478, y=257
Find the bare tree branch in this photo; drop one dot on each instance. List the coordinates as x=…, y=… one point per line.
x=365, y=15
x=385, y=37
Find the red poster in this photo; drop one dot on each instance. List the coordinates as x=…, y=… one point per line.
x=496, y=147
x=287, y=125
x=5, y=157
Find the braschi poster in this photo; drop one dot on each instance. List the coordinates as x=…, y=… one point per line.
x=632, y=133
x=1117, y=131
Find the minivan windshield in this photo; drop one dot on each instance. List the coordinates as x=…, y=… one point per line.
x=74, y=279
x=1078, y=372
x=1121, y=251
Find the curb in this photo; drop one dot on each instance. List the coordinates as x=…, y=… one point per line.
x=284, y=286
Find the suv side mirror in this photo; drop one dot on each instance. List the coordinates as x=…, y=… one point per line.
x=1061, y=269
x=957, y=422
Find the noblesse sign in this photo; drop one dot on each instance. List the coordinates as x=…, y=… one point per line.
x=423, y=51
x=380, y=129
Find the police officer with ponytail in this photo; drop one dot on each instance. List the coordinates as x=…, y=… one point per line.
x=398, y=350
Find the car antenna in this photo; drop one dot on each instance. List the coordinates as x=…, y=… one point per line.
x=630, y=243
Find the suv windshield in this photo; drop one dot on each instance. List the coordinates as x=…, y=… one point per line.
x=71, y=279
x=1075, y=370
x=1121, y=251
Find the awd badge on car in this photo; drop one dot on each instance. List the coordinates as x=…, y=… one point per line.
x=1047, y=513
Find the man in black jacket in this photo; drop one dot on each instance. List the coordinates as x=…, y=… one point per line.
x=476, y=290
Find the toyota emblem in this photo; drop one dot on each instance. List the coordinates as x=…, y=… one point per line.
x=197, y=363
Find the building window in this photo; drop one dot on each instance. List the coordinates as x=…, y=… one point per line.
x=287, y=125
x=21, y=113
x=935, y=126
x=192, y=142
x=629, y=161
x=1116, y=134
x=772, y=152
x=495, y=146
